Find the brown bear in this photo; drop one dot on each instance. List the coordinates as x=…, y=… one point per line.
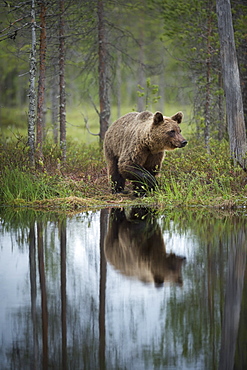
x=134, y=148
x=134, y=245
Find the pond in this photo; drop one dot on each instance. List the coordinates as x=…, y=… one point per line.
x=130, y=288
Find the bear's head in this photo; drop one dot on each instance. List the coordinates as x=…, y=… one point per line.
x=166, y=133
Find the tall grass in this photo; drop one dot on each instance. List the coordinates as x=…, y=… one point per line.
x=192, y=176
x=189, y=176
x=18, y=185
x=52, y=180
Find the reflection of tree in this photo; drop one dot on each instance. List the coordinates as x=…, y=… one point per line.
x=33, y=285
x=102, y=288
x=43, y=293
x=63, y=240
x=233, y=298
x=191, y=329
x=241, y=345
x=207, y=273
x=72, y=325
x=187, y=328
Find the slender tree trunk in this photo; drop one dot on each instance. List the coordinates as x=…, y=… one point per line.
x=103, y=73
x=33, y=286
x=43, y=294
x=230, y=73
x=102, y=289
x=41, y=84
x=63, y=241
x=62, y=105
x=233, y=299
x=141, y=77
x=119, y=84
x=32, y=94
x=54, y=102
x=208, y=86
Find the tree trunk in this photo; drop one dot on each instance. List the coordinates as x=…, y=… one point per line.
x=230, y=73
x=54, y=101
x=62, y=105
x=41, y=85
x=221, y=126
x=238, y=15
x=141, y=76
x=63, y=245
x=104, y=214
x=32, y=94
x=103, y=73
x=242, y=57
x=208, y=85
x=33, y=294
x=44, y=309
x=233, y=300
x=119, y=84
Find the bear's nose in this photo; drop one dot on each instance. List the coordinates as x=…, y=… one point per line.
x=184, y=142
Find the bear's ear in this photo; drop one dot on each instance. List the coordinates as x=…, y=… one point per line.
x=158, y=118
x=178, y=117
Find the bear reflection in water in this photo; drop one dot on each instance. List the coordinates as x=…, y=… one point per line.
x=134, y=245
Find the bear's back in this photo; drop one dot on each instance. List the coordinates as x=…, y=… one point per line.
x=144, y=116
x=133, y=118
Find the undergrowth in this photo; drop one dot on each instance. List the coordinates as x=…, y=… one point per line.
x=189, y=176
x=192, y=176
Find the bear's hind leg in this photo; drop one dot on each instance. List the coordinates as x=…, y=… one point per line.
x=118, y=183
x=117, y=180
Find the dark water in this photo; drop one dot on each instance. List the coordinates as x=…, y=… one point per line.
x=123, y=289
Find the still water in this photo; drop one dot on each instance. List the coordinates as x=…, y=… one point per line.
x=123, y=289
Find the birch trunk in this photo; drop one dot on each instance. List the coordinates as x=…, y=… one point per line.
x=41, y=84
x=230, y=73
x=32, y=94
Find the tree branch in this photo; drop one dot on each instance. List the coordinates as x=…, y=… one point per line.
x=95, y=108
x=87, y=127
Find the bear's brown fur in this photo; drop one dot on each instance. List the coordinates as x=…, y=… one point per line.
x=134, y=245
x=134, y=148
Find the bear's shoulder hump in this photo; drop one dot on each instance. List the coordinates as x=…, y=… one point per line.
x=144, y=116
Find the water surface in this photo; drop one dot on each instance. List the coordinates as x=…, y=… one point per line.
x=123, y=289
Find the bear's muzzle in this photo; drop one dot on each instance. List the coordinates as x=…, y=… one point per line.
x=184, y=142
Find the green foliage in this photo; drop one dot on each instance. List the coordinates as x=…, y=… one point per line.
x=20, y=185
x=189, y=176
x=193, y=176
x=150, y=93
x=52, y=180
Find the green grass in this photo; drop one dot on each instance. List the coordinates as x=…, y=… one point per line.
x=189, y=176
x=14, y=122
x=78, y=177
x=20, y=186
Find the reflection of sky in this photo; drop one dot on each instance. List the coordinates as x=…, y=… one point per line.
x=14, y=290
x=135, y=312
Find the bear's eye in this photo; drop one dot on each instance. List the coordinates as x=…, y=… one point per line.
x=172, y=133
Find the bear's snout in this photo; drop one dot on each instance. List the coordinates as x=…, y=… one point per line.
x=184, y=142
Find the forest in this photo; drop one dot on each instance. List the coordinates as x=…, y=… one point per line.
x=69, y=69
